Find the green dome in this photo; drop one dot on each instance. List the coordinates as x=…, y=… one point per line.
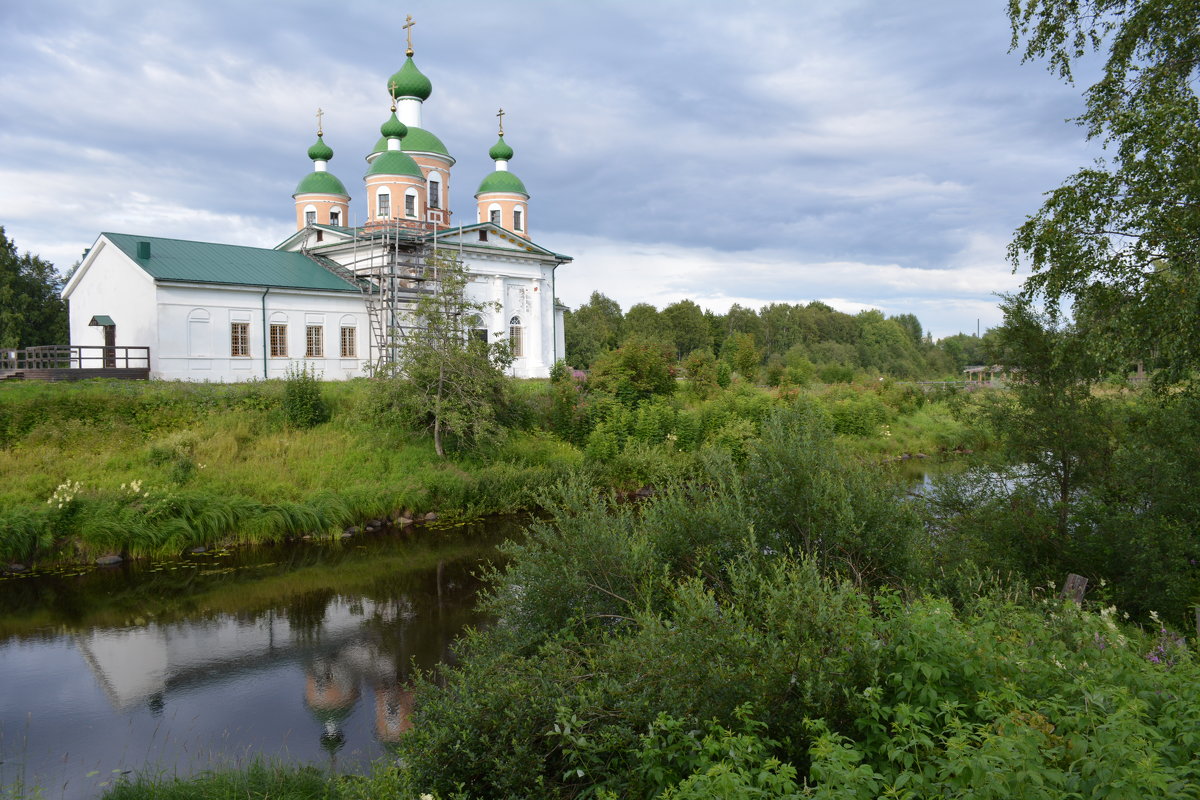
x=502, y=181
x=395, y=162
x=500, y=150
x=320, y=183
x=393, y=128
x=421, y=140
x=418, y=140
x=409, y=82
x=320, y=151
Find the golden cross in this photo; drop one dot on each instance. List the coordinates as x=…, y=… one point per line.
x=407, y=28
x=500, y=114
x=320, y=114
x=392, y=92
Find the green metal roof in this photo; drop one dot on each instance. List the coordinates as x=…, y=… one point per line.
x=395, y=162
x=501, y=150
x=320, y=183
x=101, y=320
x=393, y=127
x=208, y=262
x=320, y=151
x=409, y=82
x=418, y=140
x=502, y=181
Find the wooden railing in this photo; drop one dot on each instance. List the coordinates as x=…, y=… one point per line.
x=75, y=356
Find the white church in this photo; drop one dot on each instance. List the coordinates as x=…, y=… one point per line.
x=332, y=295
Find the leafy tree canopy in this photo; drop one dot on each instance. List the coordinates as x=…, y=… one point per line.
x=31, y=310
x=1118, y=242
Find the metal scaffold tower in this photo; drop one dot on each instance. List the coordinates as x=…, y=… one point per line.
x=397, y=271
x=392, y=265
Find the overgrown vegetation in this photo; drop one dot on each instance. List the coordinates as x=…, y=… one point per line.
x=151, y=469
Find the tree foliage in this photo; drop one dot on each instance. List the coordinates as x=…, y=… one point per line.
x=447, y=381
x=31, y=310
x=1118, y=241
x=591, y=329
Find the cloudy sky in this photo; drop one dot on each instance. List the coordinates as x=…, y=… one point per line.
x=867, y=153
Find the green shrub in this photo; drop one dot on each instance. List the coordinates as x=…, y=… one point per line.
x=303, y=406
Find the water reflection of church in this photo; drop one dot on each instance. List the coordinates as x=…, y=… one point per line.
x=344, y=647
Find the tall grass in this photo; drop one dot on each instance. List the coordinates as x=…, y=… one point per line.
x=258, y=781
x=219, y=463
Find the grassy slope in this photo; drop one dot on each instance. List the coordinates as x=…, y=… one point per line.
x=156, y=468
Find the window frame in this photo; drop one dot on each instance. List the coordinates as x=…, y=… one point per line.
x=239, y=340
x=278, y=340
x=349, y=336
x=314, y=335
x=383, y=204
x=516, y=337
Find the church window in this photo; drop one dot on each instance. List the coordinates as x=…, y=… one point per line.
x=494, y=216
x=435, y=194
x=410, y=205
x=349, y=342
x=384, y=204
x=335, y=217
x=239, y=340
x=314, y=342
x=310, y=218
x=515, y=339
x=278, y=341
x=479, y=335
x=483, y=236
x=517, y=219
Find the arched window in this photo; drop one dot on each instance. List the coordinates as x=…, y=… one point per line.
x=410, y=203
x=199, y=336
x=515, y=338
x=518, y=218
x=383, y=204
x=494, y=214
x=310, y=215
x=335, y=217
x=435, y=190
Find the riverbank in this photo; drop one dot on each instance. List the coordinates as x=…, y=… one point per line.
x=103, y=469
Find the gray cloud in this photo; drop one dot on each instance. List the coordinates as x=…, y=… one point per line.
x=878, y=154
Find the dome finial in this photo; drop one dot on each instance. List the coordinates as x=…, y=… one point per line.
x=407, y=27
x=392, y=92
x=500, y=114
x=320, y=114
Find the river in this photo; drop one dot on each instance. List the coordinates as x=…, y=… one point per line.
x=300, y=652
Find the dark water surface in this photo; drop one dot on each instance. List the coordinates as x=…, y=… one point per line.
x=300, y=652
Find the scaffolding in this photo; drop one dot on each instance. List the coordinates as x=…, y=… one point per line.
x=392, y=263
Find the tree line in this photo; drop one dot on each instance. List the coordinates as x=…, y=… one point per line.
x=779, y=341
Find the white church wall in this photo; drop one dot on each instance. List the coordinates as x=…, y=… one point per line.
x=110, y=284
x=518, y=286
x=196, y=326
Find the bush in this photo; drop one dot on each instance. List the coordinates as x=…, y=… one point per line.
x=635, y=371
x=303, y=406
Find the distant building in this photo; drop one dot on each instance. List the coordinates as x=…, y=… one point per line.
x=986, y=375
x=335, y=295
